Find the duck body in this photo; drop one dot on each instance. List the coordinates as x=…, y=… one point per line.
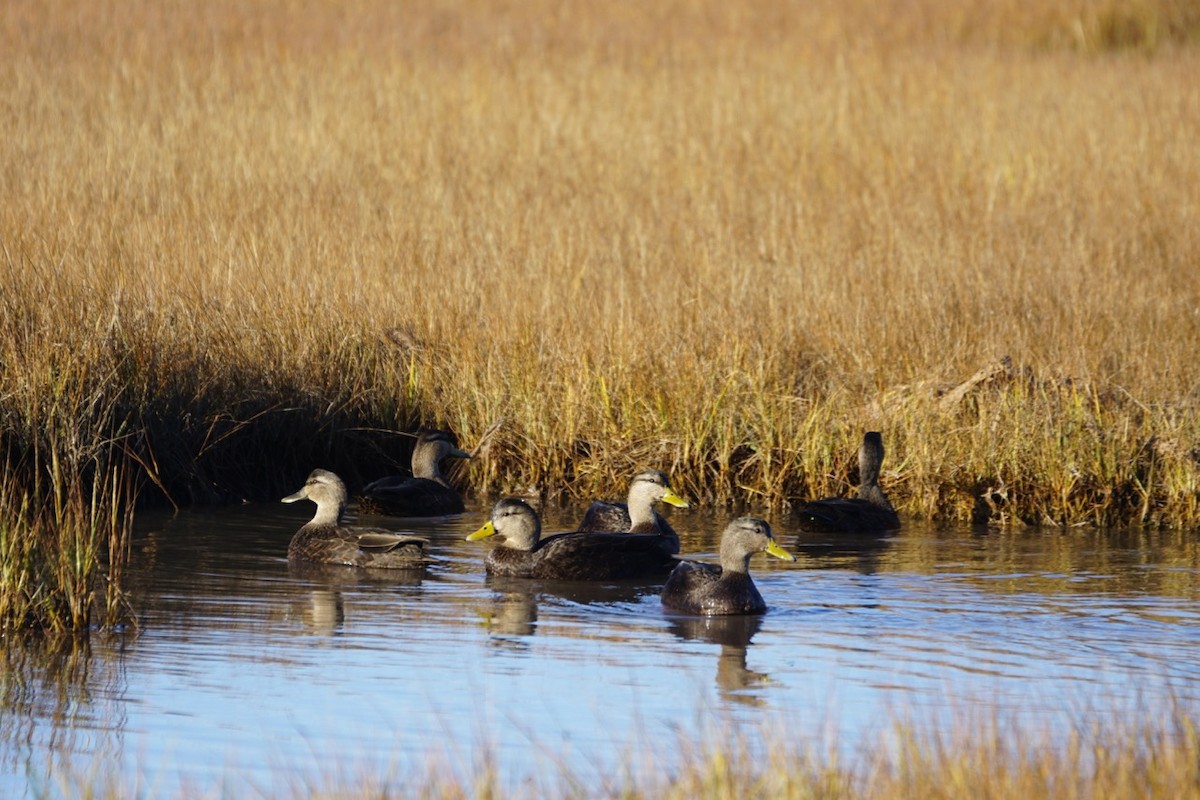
x=426, y=493
x=398, y=496
x=638, y=515
x=326, y=540
x=520, y=551
x=705, y=590
x=725, y=589
x=869, y=512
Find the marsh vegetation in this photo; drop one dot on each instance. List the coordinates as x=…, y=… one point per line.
x=244, y=240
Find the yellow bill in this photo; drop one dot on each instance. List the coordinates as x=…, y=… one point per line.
x=774, y=549
x=487, y=530
x=675, y=500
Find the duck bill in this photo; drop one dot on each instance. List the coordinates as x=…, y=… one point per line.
x=670, y=498
x=777, y=551
x=487, y=530
x=291, y=498
x=457, y=453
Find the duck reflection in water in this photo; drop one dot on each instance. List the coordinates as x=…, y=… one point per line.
x=513, y=614
x=841, y=551
x=320, y=605
x=732, y=634
x=513, y=611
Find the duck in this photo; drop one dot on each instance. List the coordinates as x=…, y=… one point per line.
x=326, y=540
x=726, y=589
x=426, y=493
x=870, y=512
x=637, y=514
x=521, y=552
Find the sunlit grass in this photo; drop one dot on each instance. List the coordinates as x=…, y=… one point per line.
x=990, y=760
x=63, y=548
x=718, y=239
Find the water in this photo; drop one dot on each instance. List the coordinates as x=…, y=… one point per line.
x=250, y=673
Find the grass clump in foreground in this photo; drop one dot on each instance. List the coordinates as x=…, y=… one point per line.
x=63, y=547
x=720, y=239
x=1157, y=759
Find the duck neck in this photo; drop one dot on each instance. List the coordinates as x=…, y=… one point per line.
x=734, y=560
x=328, y=513
x=641, y=512
x=870, y=460
x=525, y=538
x=873, y=494
x=426, y=463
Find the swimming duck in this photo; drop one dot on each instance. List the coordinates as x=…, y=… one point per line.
x=712, y=590
x=427, y=493
x=637, y=515
x=575, y=556
x=870, y=512
x=325, y=539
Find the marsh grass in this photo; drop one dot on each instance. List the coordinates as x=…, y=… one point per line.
x=63, y=547
x=989, y=760
x=719, y=239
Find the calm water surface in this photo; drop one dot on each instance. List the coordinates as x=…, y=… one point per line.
x=249, y=673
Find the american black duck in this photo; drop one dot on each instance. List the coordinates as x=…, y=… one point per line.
x=637, y=515
x=870, y=512
x=326, y=540
x=712, y=590
x=426, y=493
x=520, y=552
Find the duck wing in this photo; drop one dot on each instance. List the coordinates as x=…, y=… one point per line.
x=386, y=541
x=603, y=516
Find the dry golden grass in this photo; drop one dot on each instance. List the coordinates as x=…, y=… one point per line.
x=718, y=238
x=988, y=761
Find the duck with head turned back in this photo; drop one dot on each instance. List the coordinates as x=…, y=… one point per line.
x=870, y=512
x=711, y=590
x=427, y=493
x=521, y=552
x=638, y=515
x=326, y=540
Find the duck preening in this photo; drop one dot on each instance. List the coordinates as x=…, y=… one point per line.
x=715, y=590
x=325, y=539
x=426, y=493
x=870, y=512
x=521, y=552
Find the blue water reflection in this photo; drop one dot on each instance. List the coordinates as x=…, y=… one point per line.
x=248, y=673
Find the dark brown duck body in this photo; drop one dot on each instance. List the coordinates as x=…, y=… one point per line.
x=705, y=589
x=326, y=540
x=870, y=512
x=426, y=493
x=577, y=556
x=410, y=497
x=725, y=589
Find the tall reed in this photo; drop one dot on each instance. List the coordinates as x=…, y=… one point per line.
x=721, y=239
x=63, y=548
